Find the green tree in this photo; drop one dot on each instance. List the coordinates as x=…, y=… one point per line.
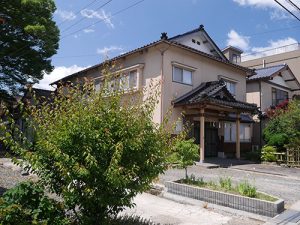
x=28, y=39
x=284, y=127
x=186, y=152
x=95, y=150
x=27, y=204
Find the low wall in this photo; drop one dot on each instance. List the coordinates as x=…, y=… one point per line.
x=252, y=205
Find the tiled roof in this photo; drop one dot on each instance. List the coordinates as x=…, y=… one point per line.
x=267, y=72
x=169, y=41
x=213, y=92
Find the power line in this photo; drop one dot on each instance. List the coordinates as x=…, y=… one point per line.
x=101, y=6
x=287, y=10
x=253, y=53
x=77, y=12
x=104, y=19
x=293, y=4
x=91, y=3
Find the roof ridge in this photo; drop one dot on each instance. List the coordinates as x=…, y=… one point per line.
x=271, y=66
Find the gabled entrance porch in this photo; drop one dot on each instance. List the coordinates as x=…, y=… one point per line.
x=216, y=117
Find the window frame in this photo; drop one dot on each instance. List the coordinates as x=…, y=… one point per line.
x=182, y=69
x=232, y=134
x=277, y=92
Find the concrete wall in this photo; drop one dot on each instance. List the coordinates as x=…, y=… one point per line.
x=204, y=70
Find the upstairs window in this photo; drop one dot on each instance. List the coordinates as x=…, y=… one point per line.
x=128, y=80
x=236, y=58
x=231, y=87
x=181, y=75
x=279, y=96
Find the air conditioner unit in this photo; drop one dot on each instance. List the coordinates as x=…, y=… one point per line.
x=255, y=148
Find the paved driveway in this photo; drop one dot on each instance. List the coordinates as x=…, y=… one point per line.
x=275, y=180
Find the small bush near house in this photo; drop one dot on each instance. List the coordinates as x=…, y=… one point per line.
x=283, y=126
x=185, y=153
x=27, y=204
x=246, y=189
x=268, y=153
x=96, y=150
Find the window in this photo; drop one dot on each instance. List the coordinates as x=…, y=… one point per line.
x=230, y=132
x=128, y=80
x=231, y=87
x=182, y=75
x=236, y=58
x=278, y=96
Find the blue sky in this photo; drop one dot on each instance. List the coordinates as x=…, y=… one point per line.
x=252, y=25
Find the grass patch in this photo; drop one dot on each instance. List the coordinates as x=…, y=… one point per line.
x=243, y=188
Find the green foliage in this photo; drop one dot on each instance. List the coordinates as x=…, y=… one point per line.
x=130, y=220
x=96, y=150
x=284, y=126
x=268, y=153
x=246, y=189
x=185, y=154
x=225, y=183
x=28, y=39
x=27, y=204
x=253, y=156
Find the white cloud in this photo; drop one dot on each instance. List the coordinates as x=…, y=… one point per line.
x=277, y=13
x=106, y=50
x=273, y=47
x=88, y=30
x=66, y=15
x=56, y=74
x=257, y=3
x=237, y=40
x=102, y=15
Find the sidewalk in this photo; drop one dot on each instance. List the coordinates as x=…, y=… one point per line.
x=288, y=217
x=165, y=211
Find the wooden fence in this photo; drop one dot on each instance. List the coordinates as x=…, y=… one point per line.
x=291, y=157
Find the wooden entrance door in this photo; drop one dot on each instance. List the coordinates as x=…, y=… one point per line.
x=211, y=138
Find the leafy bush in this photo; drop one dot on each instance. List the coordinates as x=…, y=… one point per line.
x=225, y=183
x=246, y=189
x=186, y=152
x=253, y=156
x=27, y=204
x=283, y=126
x=96, y=150
x=268, y=153
x=130, y=220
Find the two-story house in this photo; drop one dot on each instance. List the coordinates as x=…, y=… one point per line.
x=271, y=84
x=196, y=80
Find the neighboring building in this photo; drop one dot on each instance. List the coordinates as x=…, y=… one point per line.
x=268, y=88
x=197, y=80
x=289, y=55
x=275, y=80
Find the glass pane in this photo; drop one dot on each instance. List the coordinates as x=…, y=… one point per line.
x=177, y=74
x=227, y=132
x=187, y=77
x=247, y=133
x=233, y=132
x=133, y=79
x=124, y=82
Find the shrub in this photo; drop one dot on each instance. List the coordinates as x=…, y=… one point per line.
x=225, y=183
x=130, y=220
x=246, y=189
x=253, y=156
x=97, y=150
x=268, y=153
x=283, y=126
x=186, y=152
x=27, y=204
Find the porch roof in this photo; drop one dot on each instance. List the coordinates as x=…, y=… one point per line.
x=216, y=93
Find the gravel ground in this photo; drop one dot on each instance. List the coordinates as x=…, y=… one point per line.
x=10, y=175
x=285, y=187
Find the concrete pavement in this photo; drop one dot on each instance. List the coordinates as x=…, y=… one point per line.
x=166, y=211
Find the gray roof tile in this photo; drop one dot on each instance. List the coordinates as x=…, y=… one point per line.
x=266, y=72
